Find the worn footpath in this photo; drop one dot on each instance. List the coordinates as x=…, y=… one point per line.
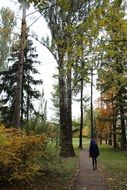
x=89, y=179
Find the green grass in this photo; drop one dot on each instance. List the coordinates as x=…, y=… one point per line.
x=115, y=165
x=62, y=171
x=85, y=142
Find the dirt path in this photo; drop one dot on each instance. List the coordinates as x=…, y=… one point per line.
x=89, y=179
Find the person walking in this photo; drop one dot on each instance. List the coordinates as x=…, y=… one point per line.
x=94, y=153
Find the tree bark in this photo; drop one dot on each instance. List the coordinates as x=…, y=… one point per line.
x=81, y=118
x=69, y=112
x=17, y=106
x=101, y=139
x=114, y=134
x=22, y=111
x=65, y=119
x=123, y=144
x=110, y=139
x=91, y=107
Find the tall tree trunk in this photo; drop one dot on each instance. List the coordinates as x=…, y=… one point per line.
x=17, y=106
x=81, y=118
x=63, y=118
x=92, y=126
x=27, y=112
x=28, y=103
x=69, y=113
x=66, y=131
x=22, y=106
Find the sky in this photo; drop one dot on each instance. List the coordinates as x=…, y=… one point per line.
x=48, y=65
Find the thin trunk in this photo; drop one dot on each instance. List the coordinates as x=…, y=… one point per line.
x=123, y=145
x=106, y=139
x=114, y=134
x=28, y=107
x=22, y=108
x=110, y=139
x=27, y=113
x=81, y=121
x=28, y=104
x=114, y=126
x=69, y=113
x=17, y=108
x=101, y=138
x=92, y=126
x=22, y=97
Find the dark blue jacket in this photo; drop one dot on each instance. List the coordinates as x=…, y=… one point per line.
x=93, y=149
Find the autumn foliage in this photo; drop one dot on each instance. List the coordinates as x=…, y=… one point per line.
x=19, y=154
x=103, y=121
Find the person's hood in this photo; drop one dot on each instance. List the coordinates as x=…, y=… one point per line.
x=93, y=142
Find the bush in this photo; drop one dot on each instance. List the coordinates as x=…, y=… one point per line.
x=19, y=154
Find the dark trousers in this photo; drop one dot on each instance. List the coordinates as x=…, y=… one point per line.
x=94, y=162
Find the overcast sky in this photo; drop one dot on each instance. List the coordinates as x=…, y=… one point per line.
x=48, y=64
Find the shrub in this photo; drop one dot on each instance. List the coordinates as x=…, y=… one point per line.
x=19, y=154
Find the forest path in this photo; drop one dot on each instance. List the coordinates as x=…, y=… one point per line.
x=89, y=179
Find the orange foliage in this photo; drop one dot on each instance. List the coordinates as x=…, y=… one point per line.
x=103, y=121
x=105, y=112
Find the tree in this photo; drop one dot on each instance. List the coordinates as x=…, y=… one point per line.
x=6, y=27
x=79, y=80
x=18, y=91
x=105, y=120
x=8, y=84
x=62, y=18
x=114, y=60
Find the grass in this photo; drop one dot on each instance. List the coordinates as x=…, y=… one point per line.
x=114, y=164
x=62, y=178
x=85, y=142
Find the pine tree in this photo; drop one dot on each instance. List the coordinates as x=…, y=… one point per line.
x=8, y=84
